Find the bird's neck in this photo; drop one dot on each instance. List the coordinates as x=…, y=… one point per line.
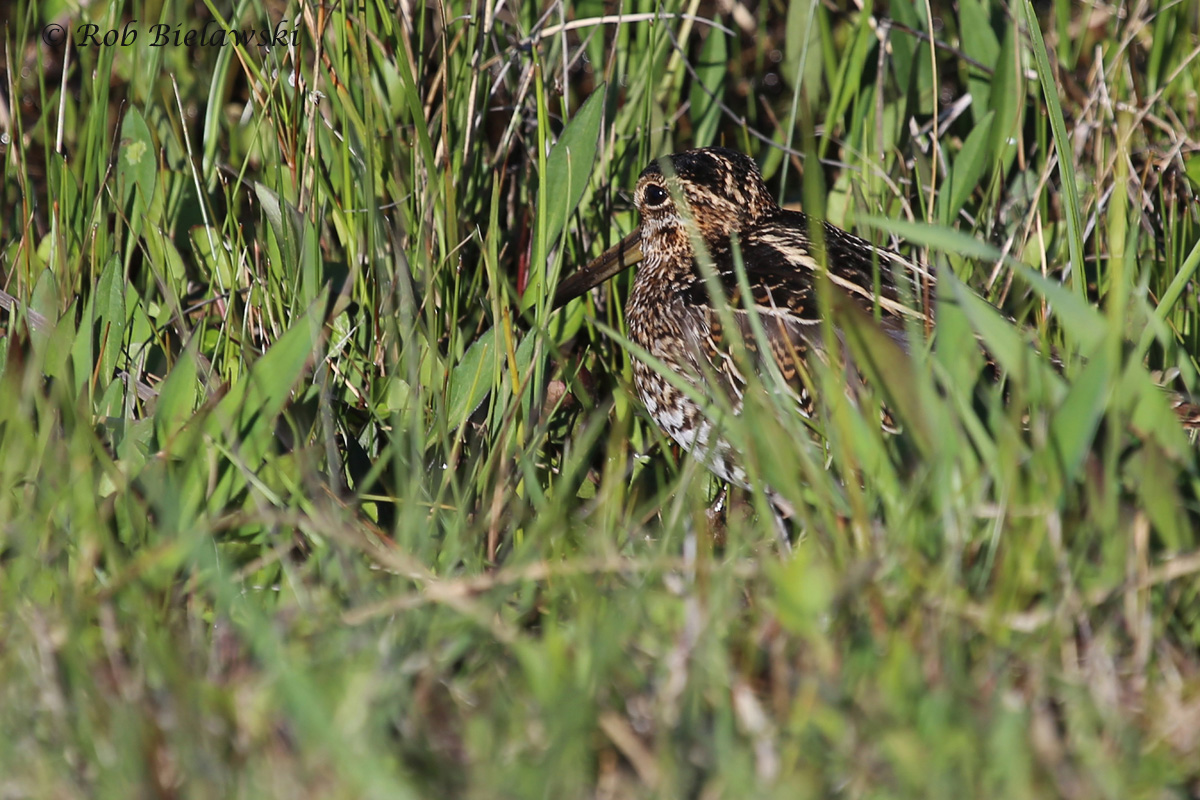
x=661, y=278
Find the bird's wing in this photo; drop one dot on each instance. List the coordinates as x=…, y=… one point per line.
x=782, y=264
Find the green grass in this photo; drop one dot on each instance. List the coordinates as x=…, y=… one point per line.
x=305, y=490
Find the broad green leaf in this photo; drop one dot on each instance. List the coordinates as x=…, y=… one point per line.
x=959, y=354
x=1074, y=424
x=1002, y=341
x=569, y=165
x=969, y=166
x=1079, y=318
x=275, y=209
x=471, y=379
x=1150, y=414
x=137, y=160
x=903, y=47
x=568, y=168
x=110, y=312
x=803, y=42
x=1007, y=99
x=1082, y=321
x=165, y=259
x=246, y=414
x=888, y=366
x=395, y=396
x=176, y=399
x=523, y=379
x=297, y=240
x=215, y=255
x=525, y=352
x=83, y=348
x=708, y=88
x=938, y=237
x=914, y=52
x=980, y=42
x=1155, y=477
x=847, y=85
x=44, y=301
x=1171, y=296
x=956, y=348
x=56, y=349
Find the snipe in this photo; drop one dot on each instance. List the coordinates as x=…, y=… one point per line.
x=670, y=312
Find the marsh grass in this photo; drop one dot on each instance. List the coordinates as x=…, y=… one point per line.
x=306, y=491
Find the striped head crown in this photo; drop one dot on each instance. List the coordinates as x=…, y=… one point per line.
x=724, y=190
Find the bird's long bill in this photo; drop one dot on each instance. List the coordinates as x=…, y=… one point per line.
x=618, y=258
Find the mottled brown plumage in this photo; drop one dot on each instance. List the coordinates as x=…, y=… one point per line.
x=729, y=210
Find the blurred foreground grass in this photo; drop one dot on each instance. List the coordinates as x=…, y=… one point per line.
x=305, y=492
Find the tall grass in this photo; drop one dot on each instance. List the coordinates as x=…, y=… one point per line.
x=306, y=491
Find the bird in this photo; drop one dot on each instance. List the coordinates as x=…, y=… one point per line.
x=716, y=198
x=711, y=205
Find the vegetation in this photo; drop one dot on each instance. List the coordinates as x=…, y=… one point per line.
x=306, y=491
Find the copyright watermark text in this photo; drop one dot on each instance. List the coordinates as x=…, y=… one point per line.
x=88, y=34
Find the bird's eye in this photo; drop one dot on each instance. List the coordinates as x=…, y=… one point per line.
x=654, y=196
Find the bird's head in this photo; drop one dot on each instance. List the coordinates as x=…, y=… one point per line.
x=723, y=190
